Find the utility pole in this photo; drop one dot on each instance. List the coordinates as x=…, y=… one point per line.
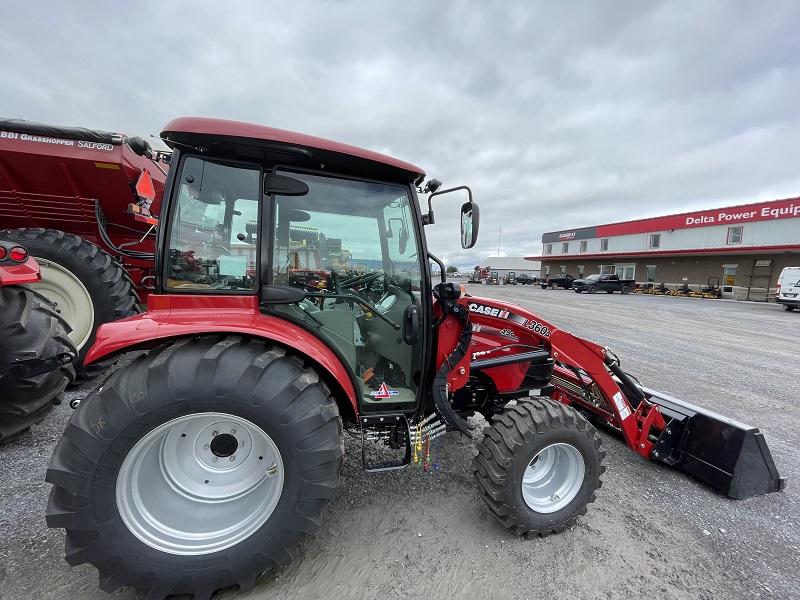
x=499, y=231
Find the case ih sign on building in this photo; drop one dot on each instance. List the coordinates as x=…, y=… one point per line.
x=743, y=248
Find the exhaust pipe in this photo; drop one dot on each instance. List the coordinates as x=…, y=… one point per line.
x=728, y=455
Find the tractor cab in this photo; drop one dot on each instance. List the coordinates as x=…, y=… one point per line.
x=340, y=256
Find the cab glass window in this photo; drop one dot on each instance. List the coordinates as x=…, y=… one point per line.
x=214, y=229
x=351, y=246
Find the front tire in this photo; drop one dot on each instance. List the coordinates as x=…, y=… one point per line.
x=196, y=467
x=538, y=467
x=592, y=289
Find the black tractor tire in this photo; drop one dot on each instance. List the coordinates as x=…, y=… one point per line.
x=788, y=307
x=538, y=467
x=30, y=328
x=86, y=274
x=147, y=498
x=626, y=289
x=592, y=289
x=544, y=286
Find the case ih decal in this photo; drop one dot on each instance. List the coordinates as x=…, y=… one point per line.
x=492, y=311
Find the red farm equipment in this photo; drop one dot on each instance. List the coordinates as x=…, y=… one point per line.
x=206, y=459
x=64, y=195
x=36, y=353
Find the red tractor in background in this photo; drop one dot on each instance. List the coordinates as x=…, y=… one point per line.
x=205, y=460
x=36, y=353
x=64, y=195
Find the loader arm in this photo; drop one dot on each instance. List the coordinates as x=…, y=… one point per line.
x=732, y=457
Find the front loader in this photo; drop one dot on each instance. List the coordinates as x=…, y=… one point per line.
x=205, y=460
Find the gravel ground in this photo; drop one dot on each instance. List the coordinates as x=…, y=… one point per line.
x=652, y=531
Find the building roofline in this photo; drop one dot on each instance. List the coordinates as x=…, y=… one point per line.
x=631, y=223
x=786, y=248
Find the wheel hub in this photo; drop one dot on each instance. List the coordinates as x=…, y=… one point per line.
x=224, y=445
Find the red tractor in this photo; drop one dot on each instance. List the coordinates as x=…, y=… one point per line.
x=64, y=195
x=207, y=459
x=36, y=353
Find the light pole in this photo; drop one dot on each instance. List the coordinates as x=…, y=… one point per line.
x=499, y=231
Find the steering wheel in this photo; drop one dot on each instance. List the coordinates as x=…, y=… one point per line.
x=363, y=279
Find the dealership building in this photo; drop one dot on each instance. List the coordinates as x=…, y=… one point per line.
x=742, y=248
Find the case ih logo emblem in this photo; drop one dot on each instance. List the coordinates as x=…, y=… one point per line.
x=384, y=392
x=488, y=310
x=566, y=236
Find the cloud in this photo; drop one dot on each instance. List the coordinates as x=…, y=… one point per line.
x=558, y=115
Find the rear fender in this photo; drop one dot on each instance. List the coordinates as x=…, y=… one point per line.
x=172, y=317
x=19, y=273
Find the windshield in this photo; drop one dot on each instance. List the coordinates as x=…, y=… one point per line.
x=346, y=227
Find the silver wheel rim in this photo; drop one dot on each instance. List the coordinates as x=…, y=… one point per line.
x=71, y=298
x=180, y=491
x=553, y=478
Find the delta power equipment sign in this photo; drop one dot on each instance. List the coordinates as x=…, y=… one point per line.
x=766, y=211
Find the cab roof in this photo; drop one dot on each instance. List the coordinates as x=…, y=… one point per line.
x=268, y=145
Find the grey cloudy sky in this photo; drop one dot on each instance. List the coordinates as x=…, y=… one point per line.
x=557, y=114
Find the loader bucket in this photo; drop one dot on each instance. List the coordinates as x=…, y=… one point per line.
x=730, y=456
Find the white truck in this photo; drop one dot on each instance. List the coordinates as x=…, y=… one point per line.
x=788, y=292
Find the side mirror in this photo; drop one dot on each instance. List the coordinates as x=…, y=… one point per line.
x=403, y=241
x=470, y=220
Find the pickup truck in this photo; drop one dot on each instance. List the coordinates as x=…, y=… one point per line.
x=526, y=279
x=557, y=281
x=603, y=283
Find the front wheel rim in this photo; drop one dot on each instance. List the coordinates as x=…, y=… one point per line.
x=200, y=483
x=553, y=478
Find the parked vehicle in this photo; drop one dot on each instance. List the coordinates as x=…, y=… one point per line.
x=36, y=353
x=210, y=456
x=557, y=281
x=479, y=275
x=788, y=291
x=493, y=279
x=603, y=283
x=526, y=279
x=510, y=278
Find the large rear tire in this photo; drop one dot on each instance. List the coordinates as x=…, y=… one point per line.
x=538, y=467
x=87, y=285
x=30, y=328
x=788, y=307
x=196, y=467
